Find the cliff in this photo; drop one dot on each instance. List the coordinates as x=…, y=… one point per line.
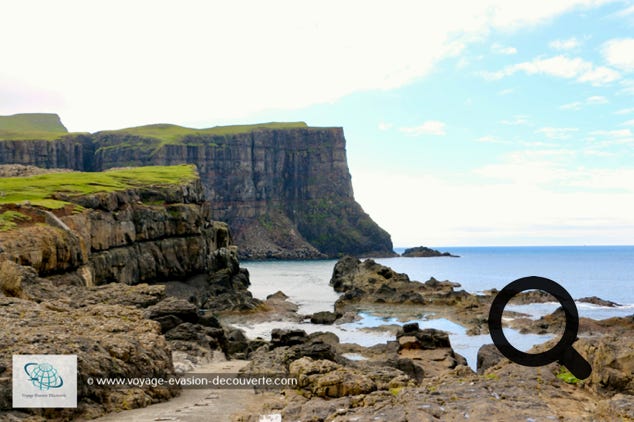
x=126, y=226
x=284, y=188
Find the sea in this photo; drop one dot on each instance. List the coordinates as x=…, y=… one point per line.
x=603, y=271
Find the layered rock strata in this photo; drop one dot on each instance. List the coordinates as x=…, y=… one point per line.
x=285, y=190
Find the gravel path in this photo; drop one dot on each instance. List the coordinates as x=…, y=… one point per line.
x=195, y=405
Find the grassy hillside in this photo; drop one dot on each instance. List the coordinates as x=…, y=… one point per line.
x=31, y=126
x=40, y=189
x=169, y=134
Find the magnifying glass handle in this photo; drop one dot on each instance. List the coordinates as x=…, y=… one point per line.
x=576, y=364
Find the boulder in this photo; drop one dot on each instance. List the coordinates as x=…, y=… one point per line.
x=237, y=344
x=411, y=337
x=323, y=317
x=324, y=378
x=13, y=277
x=171, y=312
x=488, y=356
x=282, y=337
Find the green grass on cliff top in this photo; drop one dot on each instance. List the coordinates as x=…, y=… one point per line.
x=45, y=126
x=39, y=189
x=169, y=134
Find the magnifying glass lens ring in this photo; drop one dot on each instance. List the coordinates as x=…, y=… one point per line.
x=533, y=283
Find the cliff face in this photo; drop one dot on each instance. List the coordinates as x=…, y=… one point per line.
x=129, y=236
x=285, y=193
x=69, y=151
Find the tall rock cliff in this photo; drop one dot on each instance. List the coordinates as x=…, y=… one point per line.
x=284, y=189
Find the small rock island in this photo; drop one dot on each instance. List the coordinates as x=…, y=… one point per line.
x=425, y=252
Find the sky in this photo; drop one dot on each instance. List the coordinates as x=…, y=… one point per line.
x=472, y=122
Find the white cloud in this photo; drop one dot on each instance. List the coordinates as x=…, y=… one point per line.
x=119, y=63
x=489, y=139
x=626, y=12
x=515, y=121
x=615, y=133
x=628, y=123
x=430, y=127
x=625, y=111
x=557, y=132
x=611, y=137
x=596, y=99
x=566, y=44
x=620, y=53
x=561, y=67
x=627, y=87
x=507, y=91
x=575, y=105
x=385, y=126
x=578, y=105
x=501, y=49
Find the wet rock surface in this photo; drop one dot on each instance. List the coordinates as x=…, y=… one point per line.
x=368, y=282
x=418, y=375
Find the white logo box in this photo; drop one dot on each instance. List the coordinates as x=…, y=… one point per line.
x=44, y=381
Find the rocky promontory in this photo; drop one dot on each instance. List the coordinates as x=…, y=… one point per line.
x=284, y=188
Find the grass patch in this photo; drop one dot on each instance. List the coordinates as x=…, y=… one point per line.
x=395, y=391
x=10, y=219
x=174, y=134
x=565, y=375
x=44, y=126
x=40, y=189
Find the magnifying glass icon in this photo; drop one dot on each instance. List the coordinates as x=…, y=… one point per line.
x=562, y=351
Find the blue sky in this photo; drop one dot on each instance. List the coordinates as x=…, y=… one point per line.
x=472, y=123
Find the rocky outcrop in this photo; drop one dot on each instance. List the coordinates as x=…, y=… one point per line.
x=110, y=340
x=370, y=282
x=285, y=193
x=335, y=390
x=130, y=236
x=425, y=252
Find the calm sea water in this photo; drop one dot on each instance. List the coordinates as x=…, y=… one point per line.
x=603, y=271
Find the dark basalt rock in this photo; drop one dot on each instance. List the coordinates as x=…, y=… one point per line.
x=171, y=310
x=370, y=282
x=488, y=356
x=323, y=317
x=598, y=301
x=425, y=252
x=281, y=337
x=411, y=337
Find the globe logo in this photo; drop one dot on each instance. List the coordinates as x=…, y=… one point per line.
x=43, y=375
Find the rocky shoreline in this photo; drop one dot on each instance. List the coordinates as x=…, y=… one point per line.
x=418, y=376
x=139, y=282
